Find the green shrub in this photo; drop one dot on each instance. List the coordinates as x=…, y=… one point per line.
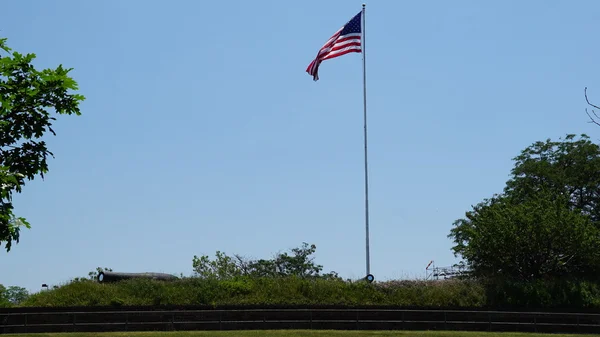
x=563, y=293
x=245, y=290
x=311, y=291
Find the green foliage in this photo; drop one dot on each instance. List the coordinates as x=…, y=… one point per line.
x=546, y=223
x=16, y=295
x=568, y=167
x=223, y=267
x=539, y=237
x=261, y=291
x=12, y=295
x=299, y=263
x=556, y=293
x=4, y=302
x=565, y=293
x=10, y=225
x=93, y=275
x=28, y=97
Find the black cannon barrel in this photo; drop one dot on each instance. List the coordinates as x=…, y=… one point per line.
x=109, y=276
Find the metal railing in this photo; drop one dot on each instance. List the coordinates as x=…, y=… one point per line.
x=340, y=319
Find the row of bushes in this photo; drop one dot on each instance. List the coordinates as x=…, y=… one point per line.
x=289, y=290
x=297, y=291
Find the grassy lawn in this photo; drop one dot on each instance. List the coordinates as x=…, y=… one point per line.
x=295, y=333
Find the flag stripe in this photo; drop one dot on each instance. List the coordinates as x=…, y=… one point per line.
x=348, y=37
x=343, y=52
x=352, y=43
x=346, y=40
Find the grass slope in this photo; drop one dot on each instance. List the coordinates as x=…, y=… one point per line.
x=262, y=291
x=572, y=294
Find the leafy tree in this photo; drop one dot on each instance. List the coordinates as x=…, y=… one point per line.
x=28, y=97
x=538, y=238
x=10, y=225
x=568, y=167
x=546, y=222
x=16, y=295
x=12, y=295
x=223, y=267
x=4, y=302
x=299, y=263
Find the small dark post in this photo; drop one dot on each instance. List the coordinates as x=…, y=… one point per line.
x=445, y=320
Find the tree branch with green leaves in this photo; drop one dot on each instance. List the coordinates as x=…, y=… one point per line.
x=29, y=101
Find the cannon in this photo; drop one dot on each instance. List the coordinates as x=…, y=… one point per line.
x=109, y=276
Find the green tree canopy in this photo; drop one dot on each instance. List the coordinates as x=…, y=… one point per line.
x=4, y=302
x=299, y=263
x=12, y=295
x=546, y=222
x=568, y=167
x=29, y=100
x=540, y=237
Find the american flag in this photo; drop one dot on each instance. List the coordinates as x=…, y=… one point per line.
x=346, y=40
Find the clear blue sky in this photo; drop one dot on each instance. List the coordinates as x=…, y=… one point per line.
x=202, y=132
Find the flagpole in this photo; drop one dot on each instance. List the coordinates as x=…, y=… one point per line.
x=365, y=139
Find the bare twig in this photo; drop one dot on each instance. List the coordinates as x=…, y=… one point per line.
x=588, y=101
x=592, y=119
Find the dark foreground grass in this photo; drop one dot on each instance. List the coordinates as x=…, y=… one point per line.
x=298, y=333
